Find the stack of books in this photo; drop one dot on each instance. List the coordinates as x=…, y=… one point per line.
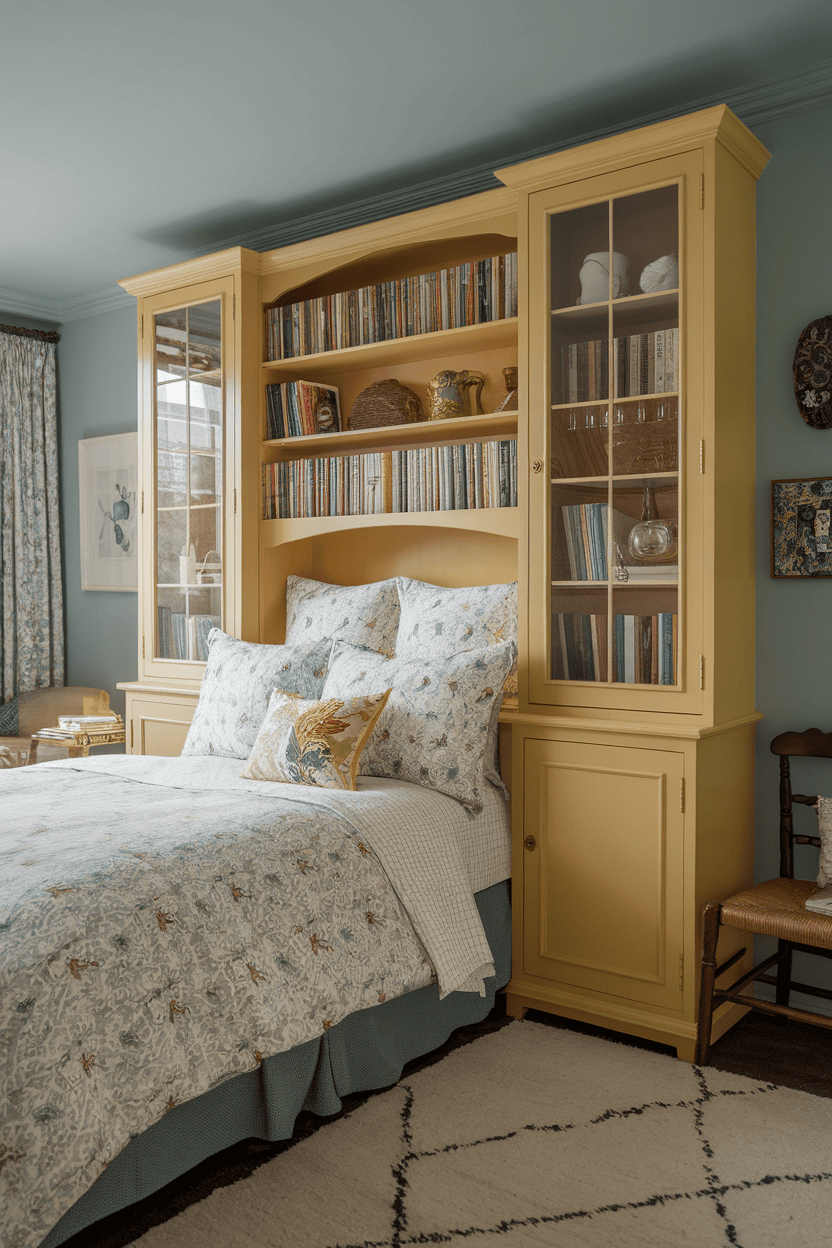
x=91, y=726
x=470, y=293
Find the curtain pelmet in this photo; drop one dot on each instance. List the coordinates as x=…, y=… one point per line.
x=31, y=580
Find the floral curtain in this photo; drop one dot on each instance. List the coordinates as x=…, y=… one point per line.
x=31, y=577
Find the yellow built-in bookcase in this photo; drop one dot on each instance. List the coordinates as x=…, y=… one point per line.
x=630, y=748
x=203, y=419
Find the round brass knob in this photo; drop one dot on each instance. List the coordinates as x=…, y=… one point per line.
x=537, y=466
x=530, y=842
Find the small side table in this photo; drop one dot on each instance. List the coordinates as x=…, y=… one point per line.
x=77, y=744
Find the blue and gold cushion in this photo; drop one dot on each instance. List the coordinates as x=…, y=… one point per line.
x=314, y=742
x=434, y=728
x=365, y=615
x=238, y=682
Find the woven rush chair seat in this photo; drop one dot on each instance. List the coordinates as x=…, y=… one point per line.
x=774, y=908
x=777, y=908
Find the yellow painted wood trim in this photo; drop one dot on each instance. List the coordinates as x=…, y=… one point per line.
x=189, y=272
x=483, y=337
x=629, y=727
x=400, y=231
x=145, y=686
x=422, y=433
x=501, y=521
x=664, y=138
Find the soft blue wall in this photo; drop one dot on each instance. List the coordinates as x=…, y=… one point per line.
x=794, y=646
x=97, y=389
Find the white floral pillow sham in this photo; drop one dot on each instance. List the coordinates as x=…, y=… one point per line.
x=236, y=687
x=313, y=742
x=451, y=621
x=365, y=615
x=434, y=728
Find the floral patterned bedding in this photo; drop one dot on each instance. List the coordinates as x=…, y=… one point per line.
x=165, y=924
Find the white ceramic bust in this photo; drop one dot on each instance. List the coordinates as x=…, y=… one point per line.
x=595, y=276
x=661, y=274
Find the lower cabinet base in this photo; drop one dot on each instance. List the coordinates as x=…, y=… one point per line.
x=157, y=721
x=677, y=1033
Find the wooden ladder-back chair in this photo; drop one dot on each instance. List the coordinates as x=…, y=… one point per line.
x=775, y=908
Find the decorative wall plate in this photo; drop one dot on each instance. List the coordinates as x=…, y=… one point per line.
x=813, y=373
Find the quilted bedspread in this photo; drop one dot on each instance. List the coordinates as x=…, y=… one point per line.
x=165, y=925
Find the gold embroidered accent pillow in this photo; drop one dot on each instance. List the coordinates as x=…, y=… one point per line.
x=314, y=742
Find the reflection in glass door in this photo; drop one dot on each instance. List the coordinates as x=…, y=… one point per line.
x=189, y=470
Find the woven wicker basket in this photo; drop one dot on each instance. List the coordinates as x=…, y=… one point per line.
x=384, y=403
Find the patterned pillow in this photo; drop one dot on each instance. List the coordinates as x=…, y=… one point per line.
x=455, y=620
x=365, y=615
x=320, y=743
x=434, y=728
x=238, y=682
x=824, y=814
x=9, y=718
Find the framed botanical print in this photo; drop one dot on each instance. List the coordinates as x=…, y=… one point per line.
x=801, y=540
x=108, y=482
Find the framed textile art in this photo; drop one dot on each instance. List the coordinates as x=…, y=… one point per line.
x=801, y=535
x=107, y=485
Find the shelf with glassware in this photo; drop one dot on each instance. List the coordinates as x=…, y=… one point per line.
x=614, y=439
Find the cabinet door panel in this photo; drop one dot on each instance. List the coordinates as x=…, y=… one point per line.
x=160, y=726
x=603, y=886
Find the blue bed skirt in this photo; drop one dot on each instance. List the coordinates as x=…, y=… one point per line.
x=366, y=1051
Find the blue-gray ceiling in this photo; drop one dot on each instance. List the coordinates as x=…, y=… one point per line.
x=135, y=135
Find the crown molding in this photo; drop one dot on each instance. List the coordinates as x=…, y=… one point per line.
x=762, y=102
x=18, y=303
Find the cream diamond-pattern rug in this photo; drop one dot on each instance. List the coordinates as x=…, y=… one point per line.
x=537, y=1136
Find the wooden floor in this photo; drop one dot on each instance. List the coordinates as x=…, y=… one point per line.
x=772, y=1050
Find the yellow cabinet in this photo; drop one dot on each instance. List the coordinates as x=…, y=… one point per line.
x=603, y=869
x=633, y=758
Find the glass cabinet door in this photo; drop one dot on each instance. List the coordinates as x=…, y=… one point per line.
x=188, y=458
x=613, y=441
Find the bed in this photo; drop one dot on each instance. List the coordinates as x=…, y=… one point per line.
x=194, y=951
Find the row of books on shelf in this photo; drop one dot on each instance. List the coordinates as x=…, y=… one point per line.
x=585, y=528
x=470, y=293
x=644, y=651
x=642, y=364
x=432, y=478
x=455, y=478
x=182, y=636
x=296, y=409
